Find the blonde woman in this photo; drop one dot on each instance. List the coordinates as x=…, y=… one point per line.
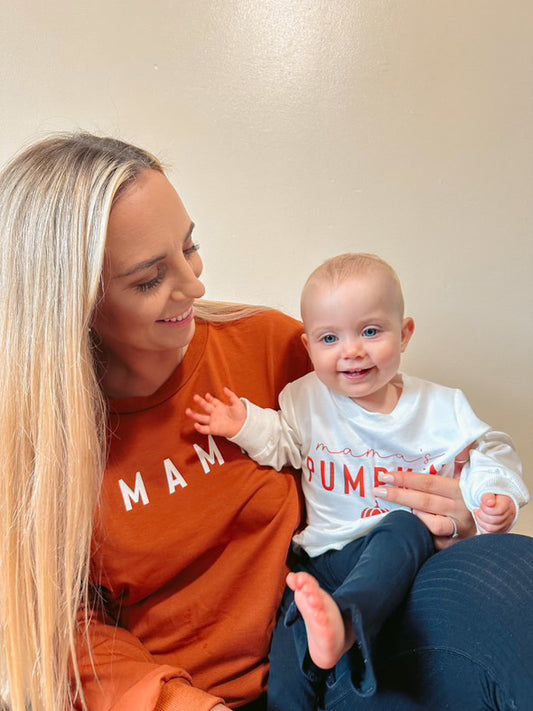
x=142, y=563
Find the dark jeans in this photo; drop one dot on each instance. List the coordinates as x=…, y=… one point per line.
x=368, y=579
x=462, y=638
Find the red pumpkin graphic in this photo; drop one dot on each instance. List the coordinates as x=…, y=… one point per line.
x=373, y=511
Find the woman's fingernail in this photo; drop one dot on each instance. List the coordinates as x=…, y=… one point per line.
x=386, y=478
x=381, y=492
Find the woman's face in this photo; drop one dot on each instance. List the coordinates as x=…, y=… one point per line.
x=150, y=273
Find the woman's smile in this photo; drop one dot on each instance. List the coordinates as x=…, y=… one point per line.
x=152, y=268
x=182, y=319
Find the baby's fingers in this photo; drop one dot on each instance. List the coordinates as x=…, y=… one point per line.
x=492, y=523
x=497, y=504
x=197, y=416
x=232, y=398
x=488, y=500
x=485, y=517
x=201, y=422
x=206, y=403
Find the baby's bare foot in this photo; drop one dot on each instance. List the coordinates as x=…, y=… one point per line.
x=328, y=635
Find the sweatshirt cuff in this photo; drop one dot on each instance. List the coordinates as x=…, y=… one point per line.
x=247, y=435
x=176, y=695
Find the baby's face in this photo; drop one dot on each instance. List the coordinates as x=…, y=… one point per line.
x=355, y=334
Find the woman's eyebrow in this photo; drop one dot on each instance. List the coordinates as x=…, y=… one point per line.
x=141, y=266
x=153, y=260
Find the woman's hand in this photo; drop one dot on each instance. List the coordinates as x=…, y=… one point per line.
x=436, y=500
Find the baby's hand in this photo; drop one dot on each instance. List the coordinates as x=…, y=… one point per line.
x=218, y=418
x=496, y=514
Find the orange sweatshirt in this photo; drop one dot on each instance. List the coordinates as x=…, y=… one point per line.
x=192, y=536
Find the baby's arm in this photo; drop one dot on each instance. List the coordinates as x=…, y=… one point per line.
x=491, y=483
x=496, y=513
x=269, y=437
x=217, y=417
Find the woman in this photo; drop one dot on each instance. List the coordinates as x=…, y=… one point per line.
x=144, y=557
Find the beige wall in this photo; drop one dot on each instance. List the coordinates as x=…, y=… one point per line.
x=300, y=129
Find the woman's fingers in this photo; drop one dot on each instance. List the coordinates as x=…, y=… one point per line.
x=430, y=483
x=435, y=503
x=436, y=500
x=443, y=528
x=438, y=525
x=432, y=494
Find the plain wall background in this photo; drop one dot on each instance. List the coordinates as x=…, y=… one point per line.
x=299, y=129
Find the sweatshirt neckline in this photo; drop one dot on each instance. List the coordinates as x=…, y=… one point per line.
x=404, y=404
x=175, y=382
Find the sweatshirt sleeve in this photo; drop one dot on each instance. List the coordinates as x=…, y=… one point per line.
x=270, y=437
x=494, y=468
x=119, y=674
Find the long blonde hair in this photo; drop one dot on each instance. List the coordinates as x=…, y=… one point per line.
x=225, y=311
x=55, y=200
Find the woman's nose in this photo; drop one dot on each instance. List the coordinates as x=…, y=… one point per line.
x=188, y=285
x=190, y=289
x=197, y=288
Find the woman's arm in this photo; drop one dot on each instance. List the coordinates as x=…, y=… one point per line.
x=118, y=674
x=436, y=500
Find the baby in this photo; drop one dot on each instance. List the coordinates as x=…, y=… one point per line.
x=346, y=425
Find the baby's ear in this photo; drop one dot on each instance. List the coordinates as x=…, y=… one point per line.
x=305, y=341
x=408, y=328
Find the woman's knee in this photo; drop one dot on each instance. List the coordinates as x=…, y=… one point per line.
x=473, y=601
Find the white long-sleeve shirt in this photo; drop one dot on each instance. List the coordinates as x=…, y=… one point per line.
x=341, y=448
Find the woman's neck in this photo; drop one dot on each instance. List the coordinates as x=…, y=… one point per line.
x=137, y=376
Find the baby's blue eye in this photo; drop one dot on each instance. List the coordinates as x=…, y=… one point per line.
x=370, y=332
x=329, y=338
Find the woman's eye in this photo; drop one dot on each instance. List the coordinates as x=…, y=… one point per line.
x=370, y=332
x=189, y=251
x=329, y=338
x=152, y=284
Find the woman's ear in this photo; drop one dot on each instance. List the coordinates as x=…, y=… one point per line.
x=408, y=329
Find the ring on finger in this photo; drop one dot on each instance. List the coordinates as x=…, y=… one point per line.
x=455, y=532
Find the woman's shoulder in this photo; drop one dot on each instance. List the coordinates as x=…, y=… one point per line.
x=266, y=337
x=274, y=319
x=263, y=322
x=258, y=353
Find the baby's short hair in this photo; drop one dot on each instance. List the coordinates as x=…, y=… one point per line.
x=345, y=266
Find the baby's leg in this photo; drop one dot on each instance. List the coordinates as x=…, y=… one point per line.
x=329, y=636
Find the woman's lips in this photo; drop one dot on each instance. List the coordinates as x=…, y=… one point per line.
x=176, y=320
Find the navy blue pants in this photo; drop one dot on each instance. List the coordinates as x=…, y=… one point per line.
x=460, y=640
x=368, y=579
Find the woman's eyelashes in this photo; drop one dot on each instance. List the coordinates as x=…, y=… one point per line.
x=145, y=286
x=152, y=284
x=189, y=251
